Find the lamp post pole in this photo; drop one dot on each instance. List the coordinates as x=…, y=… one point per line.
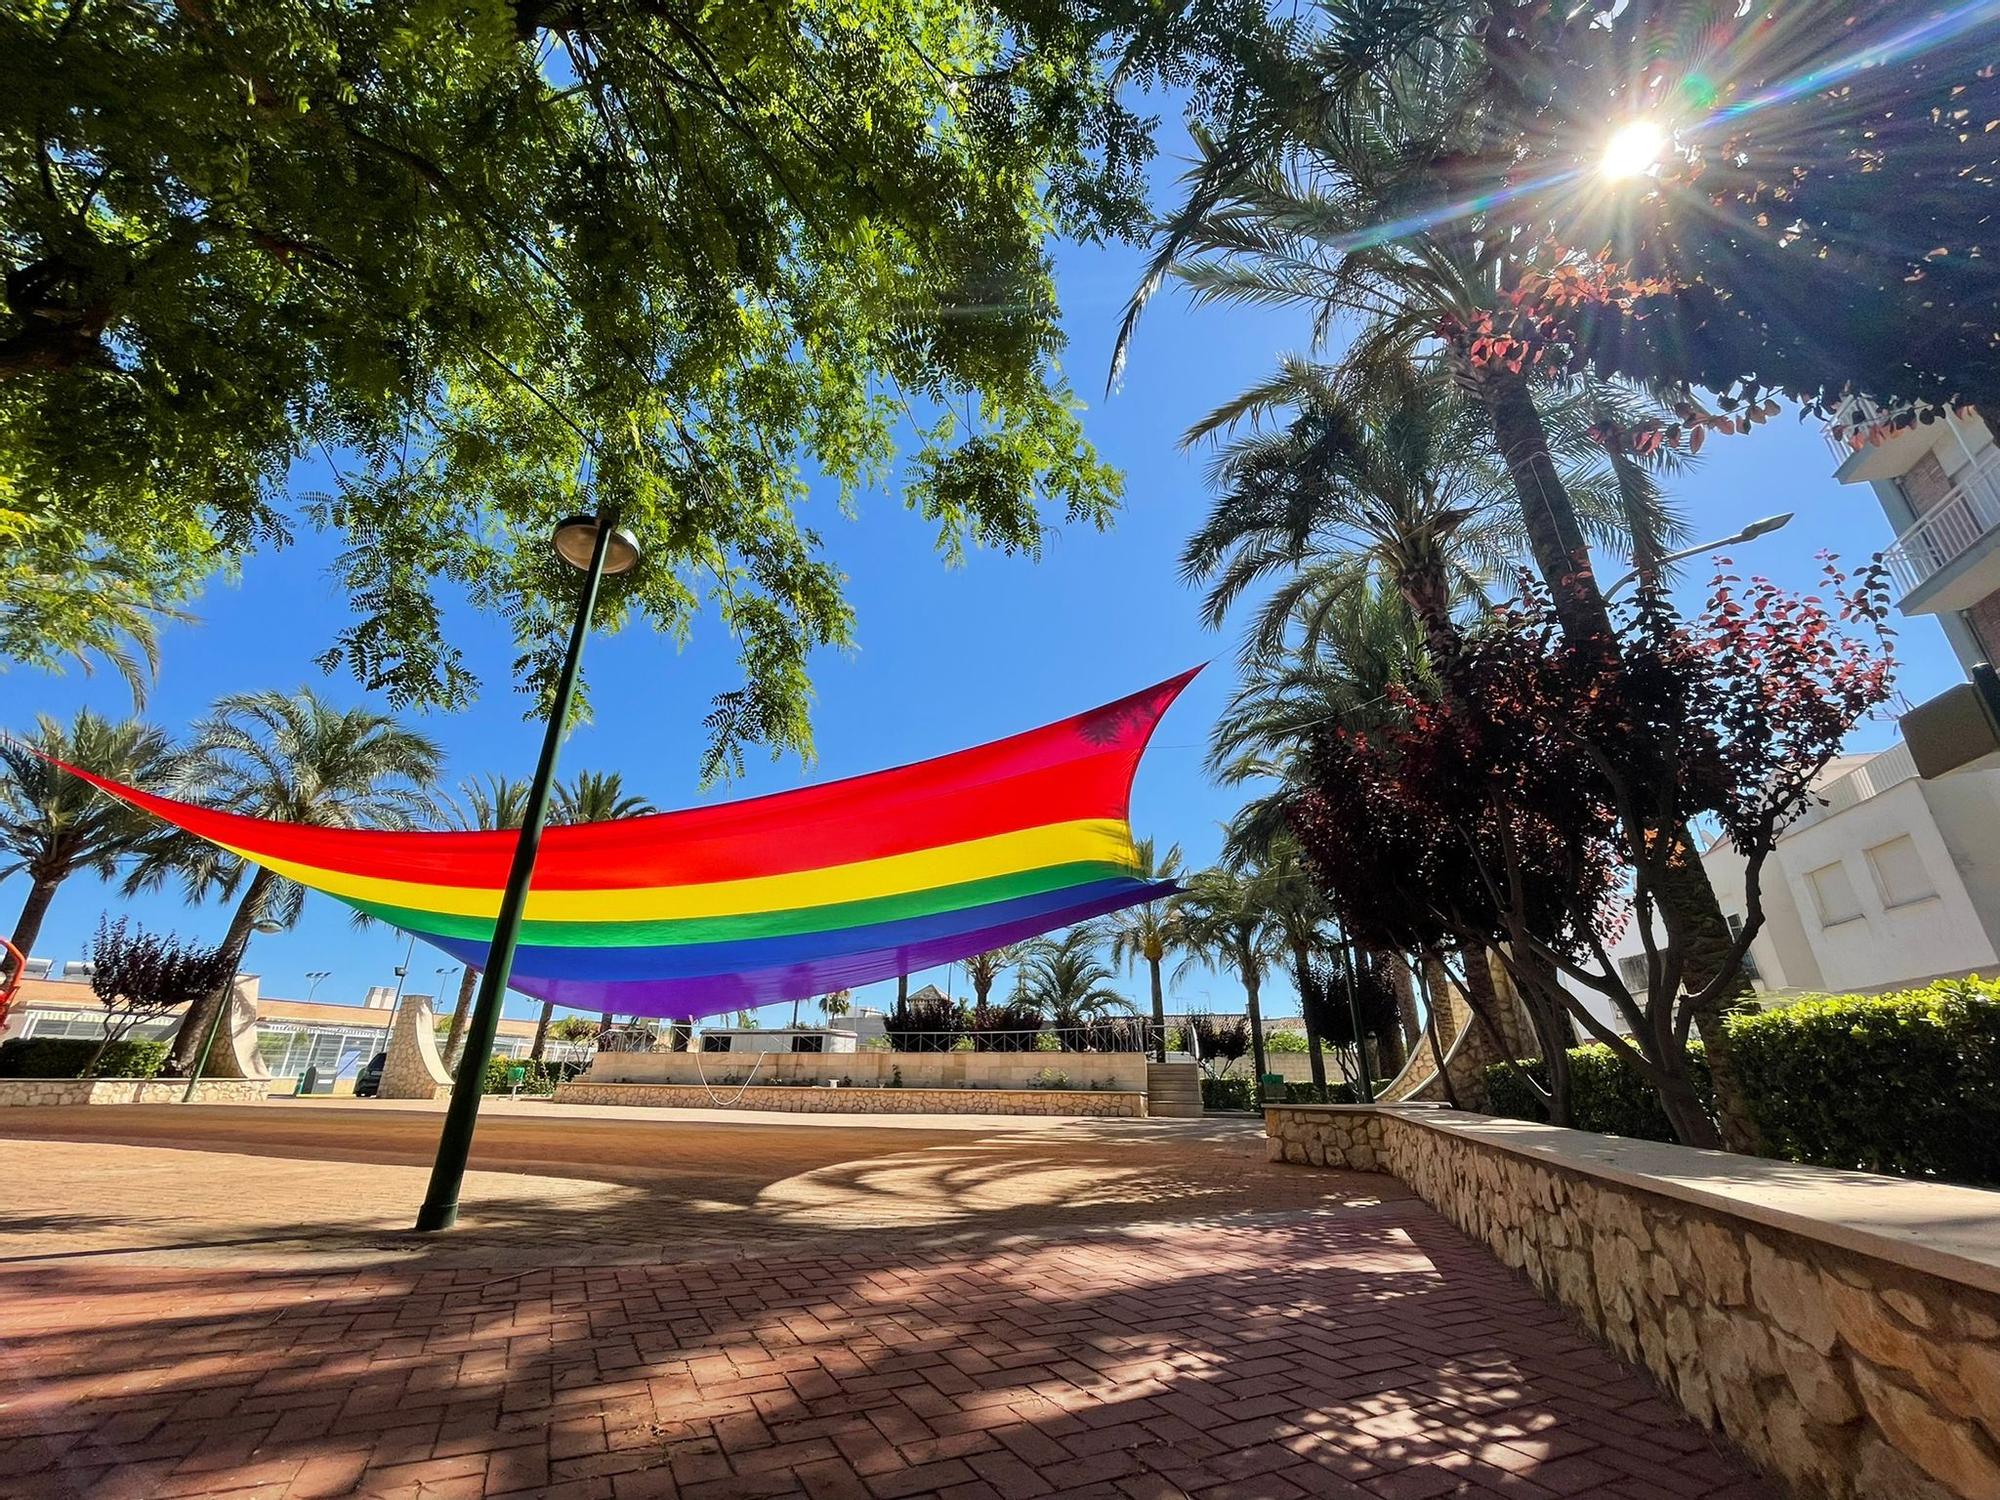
x=440, y=1210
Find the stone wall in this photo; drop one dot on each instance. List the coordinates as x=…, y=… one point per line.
x=412, y=1068
x=859, y=1101
x=1116, y=1072
x=130, y=1091
x=1843, y=1328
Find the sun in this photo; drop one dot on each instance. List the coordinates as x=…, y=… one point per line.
x=1633, y=149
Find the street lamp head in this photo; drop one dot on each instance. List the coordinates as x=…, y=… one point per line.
x=1767, y=525
x=576, y=537
x=1633, y=149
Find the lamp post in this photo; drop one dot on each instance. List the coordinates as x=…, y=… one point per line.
x=594, y=545
x=1749, y=533
x=314, y=976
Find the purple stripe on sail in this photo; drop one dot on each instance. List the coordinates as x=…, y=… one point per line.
x=692, y=999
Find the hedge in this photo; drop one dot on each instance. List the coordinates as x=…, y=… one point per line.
x=1241, y=1093
x=1906, y=1083
x=542, y=1077
x=66, y=1057
x=1605, y=1095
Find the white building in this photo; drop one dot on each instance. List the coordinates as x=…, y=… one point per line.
x=1888, y=880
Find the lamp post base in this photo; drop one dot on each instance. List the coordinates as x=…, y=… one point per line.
x=433, y=1217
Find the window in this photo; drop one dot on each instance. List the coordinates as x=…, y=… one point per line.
x=715, y=1043
x=1632, y=969
x=1833, y=894
x=1749, y=964
x=808, y=1044
x=1899, y=872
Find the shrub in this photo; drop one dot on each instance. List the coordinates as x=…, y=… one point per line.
x=66, y=1057
x=1605, y=1094
x=1228, y=1093
x=1286, y=1041
x=542, y=1077
x=1906, y=1082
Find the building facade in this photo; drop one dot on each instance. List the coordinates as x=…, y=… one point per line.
x=1939, y=485
x=1886, y=881
x=292, y=1035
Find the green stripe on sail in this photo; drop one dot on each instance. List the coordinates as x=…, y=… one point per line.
x=675, y=931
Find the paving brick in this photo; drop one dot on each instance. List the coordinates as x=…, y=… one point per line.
x=850, y=1313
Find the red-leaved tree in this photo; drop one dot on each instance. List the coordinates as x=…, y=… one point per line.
x=1524, y=803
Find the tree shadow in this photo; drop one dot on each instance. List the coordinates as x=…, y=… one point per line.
x=1308, y=1356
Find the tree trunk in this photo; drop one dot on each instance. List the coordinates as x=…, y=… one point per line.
x=185, y=1053
x=468, y=984
x=542, y=1031
x=1686, y=885
x=28, y=926
x=1431, y=1030
x=1159, y=1012
x=1302, y=961
x=1251, y=985
x=1404, y=983
x=1562, y=555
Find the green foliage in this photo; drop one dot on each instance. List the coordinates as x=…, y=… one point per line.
x=457, y=246
x=1605, y=1095
x=1906, y=1082
x=541, y=1077
x=1286, y=1041
x=67, y=1057
x=1228, y=1093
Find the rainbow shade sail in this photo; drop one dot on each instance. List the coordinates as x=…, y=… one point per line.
x=712, y=909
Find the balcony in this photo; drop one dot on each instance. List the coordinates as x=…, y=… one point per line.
x=1944, y=561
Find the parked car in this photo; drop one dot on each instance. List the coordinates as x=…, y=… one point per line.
x=368, y=1082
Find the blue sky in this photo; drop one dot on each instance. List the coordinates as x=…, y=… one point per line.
x=947, y=658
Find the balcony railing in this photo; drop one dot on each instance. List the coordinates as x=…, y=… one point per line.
x=1946, y=532
x=1855, y=411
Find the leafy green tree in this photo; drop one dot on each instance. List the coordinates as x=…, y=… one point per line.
x=1151, y=932
x=295, y=758
x=52, y=824
x=460, y=249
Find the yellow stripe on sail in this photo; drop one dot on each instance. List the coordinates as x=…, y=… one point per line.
x=1102, y=840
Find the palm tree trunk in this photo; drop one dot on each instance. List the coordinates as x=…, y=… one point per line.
x=1159, y=1012
x=1562, y=556
x=1251, y=985
x=542, y=1031
x=460, y=1013
x=1302, y=961
x=28, y=926
x=186, y=1051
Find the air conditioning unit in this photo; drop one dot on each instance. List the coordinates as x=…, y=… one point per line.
x=78, y=971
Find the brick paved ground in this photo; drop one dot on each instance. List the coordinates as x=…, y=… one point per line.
x=983, y=1310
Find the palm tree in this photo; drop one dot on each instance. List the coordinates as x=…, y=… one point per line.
x=589, y=797
x=597, y=797
x=1229, y=926
x=121, y=622
x=1349, y=473
x=983, y=970
x=1316, y=212
x=1151, y=932
x=294, y=758
x=53, y=824
x=1067, y=980
x=491, y=804
x=836, y=1005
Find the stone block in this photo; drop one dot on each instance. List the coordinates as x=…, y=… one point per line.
x=1952, y=1452
x=1791, y=1295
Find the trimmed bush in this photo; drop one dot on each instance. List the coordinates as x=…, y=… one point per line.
x=1229, y=1093
x=542, y=1076
x=1605, y=1095
x=1906, y=1082
x=66, y=1056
